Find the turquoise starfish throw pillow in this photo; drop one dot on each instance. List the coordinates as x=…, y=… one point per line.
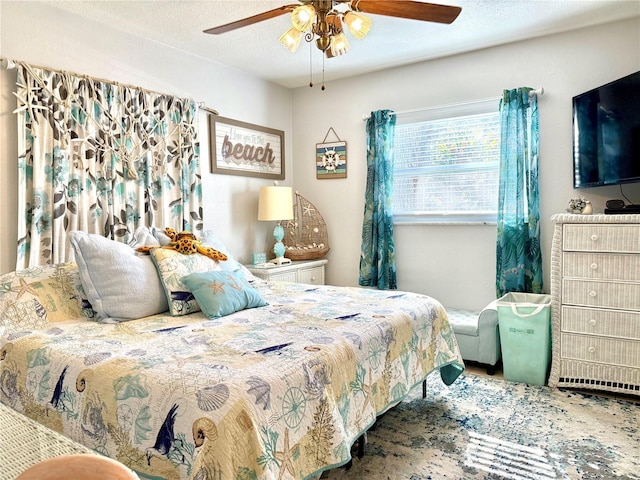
x=221, y=293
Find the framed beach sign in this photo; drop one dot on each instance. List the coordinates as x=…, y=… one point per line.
x=331, y=160
x=239, y=148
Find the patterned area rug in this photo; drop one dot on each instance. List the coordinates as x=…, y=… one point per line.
x=487, y=428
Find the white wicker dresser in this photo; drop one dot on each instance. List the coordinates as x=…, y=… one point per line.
x=595, y=302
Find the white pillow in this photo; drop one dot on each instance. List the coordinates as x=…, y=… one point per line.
x=120, y=284
x=143, y=237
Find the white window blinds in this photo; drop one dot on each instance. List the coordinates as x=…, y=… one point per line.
x=446, y=169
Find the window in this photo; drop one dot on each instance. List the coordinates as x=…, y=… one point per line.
x=447, y=162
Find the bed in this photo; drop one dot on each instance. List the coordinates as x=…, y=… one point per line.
x=281, y=390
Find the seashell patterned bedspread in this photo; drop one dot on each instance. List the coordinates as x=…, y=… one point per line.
x=281, y=391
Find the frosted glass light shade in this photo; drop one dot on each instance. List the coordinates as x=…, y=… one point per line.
x=275, y=204
x=291, y=39
x=302, y=17
x=339, y=45
x=357, y=24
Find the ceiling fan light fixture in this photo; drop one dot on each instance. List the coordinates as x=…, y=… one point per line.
x=339, y=44
x=303, y=16
x=357, y=24
x=291, y=39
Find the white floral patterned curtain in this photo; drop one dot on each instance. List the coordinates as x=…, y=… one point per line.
x=102, y=158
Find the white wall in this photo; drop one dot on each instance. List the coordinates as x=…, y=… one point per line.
x=456, y=264
x=43, y=35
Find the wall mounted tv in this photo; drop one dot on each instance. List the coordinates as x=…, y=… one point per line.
x=606, y=134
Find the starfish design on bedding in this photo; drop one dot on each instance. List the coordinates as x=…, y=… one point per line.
x=284, y=457
x=24, y=288
x=217, y=287
x=366, y=389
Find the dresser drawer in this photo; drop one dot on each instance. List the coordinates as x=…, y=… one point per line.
x=314, y=276
x=601, y=238
x=589, y=293
x=600, y=349
x=601, y=266
x=593, y=321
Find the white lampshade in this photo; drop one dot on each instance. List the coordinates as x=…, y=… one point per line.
x=275, y=204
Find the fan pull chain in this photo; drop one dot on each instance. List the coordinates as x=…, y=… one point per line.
x=310, y=66
x=323, y=71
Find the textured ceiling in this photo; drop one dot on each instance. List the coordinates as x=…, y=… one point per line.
x=390, y=42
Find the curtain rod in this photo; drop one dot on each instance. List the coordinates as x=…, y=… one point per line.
x=202, y=106
x=537, y=91
x=8, y=64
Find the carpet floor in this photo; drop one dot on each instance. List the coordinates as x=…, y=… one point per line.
x=487, y=428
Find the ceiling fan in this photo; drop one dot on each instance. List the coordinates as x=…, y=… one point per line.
x=324, y=20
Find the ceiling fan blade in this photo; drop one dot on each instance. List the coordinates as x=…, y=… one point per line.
x=276, y=12
x=428, y=12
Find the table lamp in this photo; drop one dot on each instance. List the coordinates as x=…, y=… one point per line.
x=276, y=204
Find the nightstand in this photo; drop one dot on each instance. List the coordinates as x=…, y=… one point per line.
x=304, y=271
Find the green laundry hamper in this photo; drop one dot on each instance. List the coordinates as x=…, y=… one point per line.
x=524, y=321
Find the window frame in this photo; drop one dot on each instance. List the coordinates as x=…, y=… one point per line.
x=490, y=105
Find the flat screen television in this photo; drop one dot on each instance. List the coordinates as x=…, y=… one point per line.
x=606, y=134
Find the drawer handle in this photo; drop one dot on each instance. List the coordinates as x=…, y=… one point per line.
x=313, y=279
x=594, y=238
x=592, y=349
x=593, y=293
x=594, y=266
x=592, y=322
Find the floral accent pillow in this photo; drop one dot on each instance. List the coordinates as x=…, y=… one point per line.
x=172, y=267
x=221, y=293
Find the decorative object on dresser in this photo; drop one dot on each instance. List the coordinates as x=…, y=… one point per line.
x=275, y=204
x=580, y=206
x=306, y=235
x=308, y=271
x=595, y=302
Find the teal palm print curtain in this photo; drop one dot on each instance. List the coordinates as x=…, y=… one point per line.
x=102, y=158
x=377, y=257
x=519, y=260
